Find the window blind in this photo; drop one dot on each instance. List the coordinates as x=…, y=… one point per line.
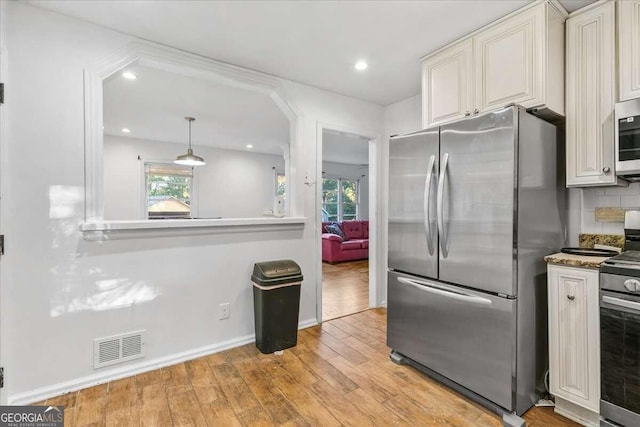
x=168, y=169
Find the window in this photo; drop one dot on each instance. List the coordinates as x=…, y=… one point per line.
x=168, y=190
x=281, y=184
x=340, y=199
x=349, y=190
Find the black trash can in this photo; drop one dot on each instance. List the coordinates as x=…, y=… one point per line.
x=276, y=303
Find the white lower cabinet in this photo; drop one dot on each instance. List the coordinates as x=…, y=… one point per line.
x=574, y=342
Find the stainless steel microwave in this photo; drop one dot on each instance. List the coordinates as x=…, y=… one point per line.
x=627, y=139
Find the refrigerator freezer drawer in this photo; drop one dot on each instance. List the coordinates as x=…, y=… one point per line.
x=466, y=336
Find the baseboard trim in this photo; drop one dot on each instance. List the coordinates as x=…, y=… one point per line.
x=576, y=413
x=43, y=393
x=307, y=323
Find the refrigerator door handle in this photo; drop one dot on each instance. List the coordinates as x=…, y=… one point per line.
x=442, y=291
x=440, y=207
x=427, y=200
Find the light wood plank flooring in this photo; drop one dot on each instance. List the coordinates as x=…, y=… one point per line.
x=338, y=374
x=345, y=288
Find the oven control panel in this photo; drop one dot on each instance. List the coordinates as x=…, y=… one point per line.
x=632, y=285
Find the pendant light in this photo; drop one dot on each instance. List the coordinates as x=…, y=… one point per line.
x=189, y=159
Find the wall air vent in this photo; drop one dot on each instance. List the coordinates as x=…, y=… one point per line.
x=117, y=349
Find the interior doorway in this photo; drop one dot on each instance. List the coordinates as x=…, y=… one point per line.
x=344, y=211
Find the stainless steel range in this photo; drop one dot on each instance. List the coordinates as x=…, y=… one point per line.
x=620, y=331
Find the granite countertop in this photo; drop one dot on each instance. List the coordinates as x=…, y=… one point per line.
x=571, y=260
x=590, y=240
x=587, y=241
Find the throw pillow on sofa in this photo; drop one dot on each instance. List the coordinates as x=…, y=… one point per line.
x=335, y=229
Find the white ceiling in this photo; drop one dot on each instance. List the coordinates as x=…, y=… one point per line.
x=573, y=5
x=341, y=147
x=312, y=42
x=154, y=105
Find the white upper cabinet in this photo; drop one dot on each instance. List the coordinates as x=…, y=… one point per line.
x=518, y=59
x=447, y=84
x=629, y=48
x=508, y=60
x=591, y=83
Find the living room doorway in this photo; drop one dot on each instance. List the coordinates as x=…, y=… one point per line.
x=344, y=211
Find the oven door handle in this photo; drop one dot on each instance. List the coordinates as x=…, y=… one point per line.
x=621, y=303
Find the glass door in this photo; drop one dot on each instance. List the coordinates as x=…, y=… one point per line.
x=620, y=351
x=629, y=138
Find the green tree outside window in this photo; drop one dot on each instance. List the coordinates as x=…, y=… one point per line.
x=340, y=199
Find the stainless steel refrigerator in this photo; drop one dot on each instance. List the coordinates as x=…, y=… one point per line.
x=474, y=206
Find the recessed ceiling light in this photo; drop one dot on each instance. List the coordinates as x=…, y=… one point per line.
x=361, y=65
x=126, y=130
x=249, y=146
x=129, y=75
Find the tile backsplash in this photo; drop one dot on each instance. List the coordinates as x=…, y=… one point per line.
x=607, y=197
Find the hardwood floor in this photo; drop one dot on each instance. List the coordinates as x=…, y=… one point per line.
x=345, y=288
x=338, y=374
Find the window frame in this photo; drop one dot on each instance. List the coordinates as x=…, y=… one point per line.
x=144, y=196
x=277, y=174
x=340, y=203
x=357, y=202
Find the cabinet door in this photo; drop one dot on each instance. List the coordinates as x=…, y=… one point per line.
x=591, y=96
x=574, y=335
x=629, y=48
x=447, y=84
x=509, y=64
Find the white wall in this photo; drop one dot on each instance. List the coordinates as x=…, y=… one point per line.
x=233, y=184
x=59, y=291
x=404, y=116
x=346, y=170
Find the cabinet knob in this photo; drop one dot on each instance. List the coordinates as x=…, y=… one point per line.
x=571, y=297
x=476, y=111
x=467, y=114
x=606, y=169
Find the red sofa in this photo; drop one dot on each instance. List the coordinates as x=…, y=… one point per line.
x=355, y=246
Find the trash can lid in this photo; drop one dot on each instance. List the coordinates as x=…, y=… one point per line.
x=271, y=273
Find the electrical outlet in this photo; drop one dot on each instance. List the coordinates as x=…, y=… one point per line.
x=224, y=311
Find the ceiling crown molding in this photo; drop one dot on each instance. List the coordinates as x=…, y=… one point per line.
x=185, y=63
